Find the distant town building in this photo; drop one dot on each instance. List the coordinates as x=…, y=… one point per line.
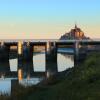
x=75, y=33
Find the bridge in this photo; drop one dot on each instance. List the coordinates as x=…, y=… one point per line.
x=25, y=49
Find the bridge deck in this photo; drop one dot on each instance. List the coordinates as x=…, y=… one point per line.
x=49, y=40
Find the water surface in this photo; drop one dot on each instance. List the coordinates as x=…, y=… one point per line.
x=64, y=61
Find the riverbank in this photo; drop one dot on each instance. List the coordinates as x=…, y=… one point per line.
x=81, y=83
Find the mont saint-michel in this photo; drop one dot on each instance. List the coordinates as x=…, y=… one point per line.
x=75, y=33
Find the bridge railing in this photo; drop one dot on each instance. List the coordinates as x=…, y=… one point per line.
x=50, y=40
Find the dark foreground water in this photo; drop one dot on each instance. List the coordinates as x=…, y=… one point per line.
x=64, y=62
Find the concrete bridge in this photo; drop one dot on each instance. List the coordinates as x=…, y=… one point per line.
x=25, y=49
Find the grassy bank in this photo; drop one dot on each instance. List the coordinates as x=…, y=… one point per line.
x=82, y=83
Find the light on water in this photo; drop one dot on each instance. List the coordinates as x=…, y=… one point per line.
x=39, y=62
x=13, y=64
x=64, y=62
x=65, y=50
x=5, y=86
x=29, y=82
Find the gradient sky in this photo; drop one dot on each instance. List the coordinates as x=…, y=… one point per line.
x=48, y=18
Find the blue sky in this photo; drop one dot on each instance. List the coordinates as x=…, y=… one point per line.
x=48, y=18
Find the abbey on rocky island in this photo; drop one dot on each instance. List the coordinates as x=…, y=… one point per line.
x=75, y=33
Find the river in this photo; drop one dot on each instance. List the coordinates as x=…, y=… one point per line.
x=64, y=61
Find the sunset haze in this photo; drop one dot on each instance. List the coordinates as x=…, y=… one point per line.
x=47, y=19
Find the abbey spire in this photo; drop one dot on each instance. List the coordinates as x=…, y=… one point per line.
x=75, y=26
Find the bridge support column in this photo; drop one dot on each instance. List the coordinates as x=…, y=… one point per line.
x=4, y=58
x=20, y=60
x=80, y=53
x=51, y=59
x=27, y=59
x=14, y=83
x=76, y=52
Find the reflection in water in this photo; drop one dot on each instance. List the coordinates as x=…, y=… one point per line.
x=29, y=82
x=13, y=64
x=67, y=56
x=20, y=74
x=5, y=86
x=39, y=62
x=64, y=61
x=7, y=83
x=65, y=50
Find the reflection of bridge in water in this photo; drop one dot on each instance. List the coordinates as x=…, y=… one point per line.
x=25, y=49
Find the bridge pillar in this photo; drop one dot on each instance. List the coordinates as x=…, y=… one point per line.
x=14, y=83
x=76, y=52
x=27, y=59
x=79, y=53
x=4, y=58
x=20, y=60
x=51, y=59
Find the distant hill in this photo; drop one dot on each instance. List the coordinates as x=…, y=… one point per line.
x=75, y=33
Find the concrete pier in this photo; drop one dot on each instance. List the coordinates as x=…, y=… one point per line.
x=20, y=55
x=80, y=52
x=76, y=52
x=20, y=60
x=4, y=58
x=14, y=83
x=27, y=59
x=51, y=59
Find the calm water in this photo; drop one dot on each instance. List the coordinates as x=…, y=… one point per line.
x=64, y=62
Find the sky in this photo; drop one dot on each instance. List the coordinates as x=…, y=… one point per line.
x=48, y=19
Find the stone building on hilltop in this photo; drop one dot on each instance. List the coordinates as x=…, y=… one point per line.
x=75, y=33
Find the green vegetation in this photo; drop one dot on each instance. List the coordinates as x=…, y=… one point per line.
x=82, y=83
